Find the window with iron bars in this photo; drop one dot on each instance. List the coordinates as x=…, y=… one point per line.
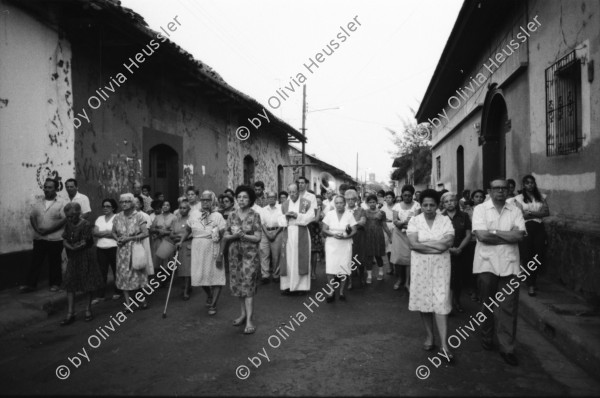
x=563, y=106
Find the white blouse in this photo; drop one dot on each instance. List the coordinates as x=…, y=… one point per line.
x=442, y=227
x=105, y=226
x=338, y=225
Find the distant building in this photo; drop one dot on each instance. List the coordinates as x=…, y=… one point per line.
x=371, y=177
x=516, y=92
x=314, y=173
x=89, y=91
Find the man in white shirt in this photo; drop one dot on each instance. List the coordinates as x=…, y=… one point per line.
x=328, y=203
x=498, y=226
x=304, y=194
x=75, y=196
x=270, y=243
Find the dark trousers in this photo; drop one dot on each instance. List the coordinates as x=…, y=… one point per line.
x=46, y=249
x=533, y=244
x=460, y=272
x=107, y=258
x=502, y=322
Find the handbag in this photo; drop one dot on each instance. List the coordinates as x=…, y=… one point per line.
x=138, y=256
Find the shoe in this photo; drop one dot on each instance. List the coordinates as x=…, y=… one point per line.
x=531, y=291
x=450, y=355
x=26, y=289
x=265, y=281
x=397, y=285
x=342, y=297
x=390, y=272
x=208, y=301
x=97, y=300
x=510, y=358
x=88, y=316
x=429, y=347
x=116, y=296
x=249, y=330
x=486, y=345
x=212, y=310
x=330, y=299
x=380, y=277
x=313, y=277
x=54, y=288
x=238, y=323
x=68, y=320
x=185, y=296
x=459, y=308
x=349, y=283
x=286, y=292
x=275, y=280
x=145, y=305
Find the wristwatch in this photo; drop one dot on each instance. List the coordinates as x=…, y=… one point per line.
x=494, y=231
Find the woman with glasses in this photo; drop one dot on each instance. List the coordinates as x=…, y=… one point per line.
x=206, y=227
x=358, y=239
x=244, y=232
x=106, y=246
x=403, y=212
x=534, y=207
x=129, y=226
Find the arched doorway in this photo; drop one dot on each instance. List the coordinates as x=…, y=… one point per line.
x=248, y=170
x=494, y=128
x=460, y=170
x=279, y=178
x=164, y=172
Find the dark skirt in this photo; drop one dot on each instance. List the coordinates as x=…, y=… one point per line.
x=374, y=239
x=358, y=248
x=83, y=273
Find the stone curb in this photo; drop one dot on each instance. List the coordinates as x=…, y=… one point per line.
x=576, y=343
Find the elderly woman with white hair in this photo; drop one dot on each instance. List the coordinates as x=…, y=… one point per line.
x=129, y=227
x=358, y=239
x=207, y=226
x=460, y=269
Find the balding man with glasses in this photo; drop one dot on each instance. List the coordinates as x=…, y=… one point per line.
x=498, y=226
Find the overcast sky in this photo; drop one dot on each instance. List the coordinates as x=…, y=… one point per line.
x=379, y=71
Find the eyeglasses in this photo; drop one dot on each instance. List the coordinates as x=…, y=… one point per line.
x=498, y=189
x=107, y=207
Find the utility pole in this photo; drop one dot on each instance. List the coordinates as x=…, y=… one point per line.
x=303, y=127
x=357, y=166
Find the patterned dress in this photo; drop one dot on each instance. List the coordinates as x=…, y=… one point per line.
x=83, y=272
x=358, y=240
x=204, y=250
x=374, y=237
x=430, y=273
x=128, y=278
x=316, y=238
x=244, y=259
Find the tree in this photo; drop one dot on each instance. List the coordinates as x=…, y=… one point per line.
x=413, y=152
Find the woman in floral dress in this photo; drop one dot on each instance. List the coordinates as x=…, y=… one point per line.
x=243, y=233
x=129, y=226
x=316, y=238
x=430, y=235
x=179, y=235
x=374, y=239
x=83, y=273
x=358, y=239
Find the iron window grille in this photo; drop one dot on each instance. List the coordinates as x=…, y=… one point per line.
x=563, y=106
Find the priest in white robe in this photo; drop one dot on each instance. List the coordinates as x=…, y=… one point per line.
x=295, y=260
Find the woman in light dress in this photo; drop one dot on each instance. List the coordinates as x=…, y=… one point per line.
x=138, y=202
x=430, y=235
x=388, y=209
x=402, y=214
x=207, y=227
x=180, y=236
x=338, y=226
x=160, y=229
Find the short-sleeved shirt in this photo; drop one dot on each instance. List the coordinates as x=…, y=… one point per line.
x=83, y=201
x=338, y=225
x=531, y=206
x=442, y=227
x=501, y=260
x=261, y=201
x=48, y=216
x=105, y=226
x=461, y=224
x=270, y=216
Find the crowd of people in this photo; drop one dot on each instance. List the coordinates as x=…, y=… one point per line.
x=435, y=244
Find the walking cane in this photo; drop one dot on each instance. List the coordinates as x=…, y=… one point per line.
x=174, y=261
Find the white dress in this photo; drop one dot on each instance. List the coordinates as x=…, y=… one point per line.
x=430, y=273
x=338, y=252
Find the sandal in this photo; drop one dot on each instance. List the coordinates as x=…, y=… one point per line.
x=249, y=330
x=209, y=301
x=68, y=320
x=239, y=322
x=212, y=310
